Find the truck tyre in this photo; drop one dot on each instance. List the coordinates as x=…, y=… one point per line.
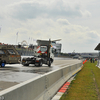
x=37, y=64
x=25, y=64
x=40, y=63
x=49, y=63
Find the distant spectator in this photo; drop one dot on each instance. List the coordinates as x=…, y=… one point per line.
x=91, y=60
x=87, y=59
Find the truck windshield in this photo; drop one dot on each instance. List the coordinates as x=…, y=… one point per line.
x=43, y=48
x=11, y=51
x=2, y=52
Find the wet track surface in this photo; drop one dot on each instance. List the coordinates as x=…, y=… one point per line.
x=17, y=73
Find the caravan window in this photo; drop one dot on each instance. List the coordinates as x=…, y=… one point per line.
x=2, y=52
x=11, y=51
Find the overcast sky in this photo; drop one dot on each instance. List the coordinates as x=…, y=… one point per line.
x=76, y=22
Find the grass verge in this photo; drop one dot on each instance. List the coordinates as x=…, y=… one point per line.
x=86, y=85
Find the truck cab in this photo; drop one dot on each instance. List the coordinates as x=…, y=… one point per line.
x=42, y=54
x=46, y=49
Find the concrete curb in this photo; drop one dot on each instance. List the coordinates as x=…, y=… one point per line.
x=65, y=86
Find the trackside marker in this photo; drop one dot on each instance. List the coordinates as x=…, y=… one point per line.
x=64, y=87
x=63, y=91
x=84, y=61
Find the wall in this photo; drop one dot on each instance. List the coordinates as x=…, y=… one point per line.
x=43, y=87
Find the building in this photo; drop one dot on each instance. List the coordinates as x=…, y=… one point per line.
x=57, y=46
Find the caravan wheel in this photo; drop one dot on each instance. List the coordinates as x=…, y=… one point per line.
x=2, y=64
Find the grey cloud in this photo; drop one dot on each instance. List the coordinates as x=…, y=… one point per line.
x=67, y=31
x=32, y=10
x=63, y=21
x=93, y=35
x=2, y=14
x=50, y=24
x=0, y=17
x=91, y=42
x=28, y=11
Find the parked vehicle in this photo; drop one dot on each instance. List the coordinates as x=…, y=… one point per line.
x=9, y=55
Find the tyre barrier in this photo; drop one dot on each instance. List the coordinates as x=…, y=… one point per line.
x=43, y=87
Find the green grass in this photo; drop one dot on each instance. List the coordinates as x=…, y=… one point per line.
x=86, y=85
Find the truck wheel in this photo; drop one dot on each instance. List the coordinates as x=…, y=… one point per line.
x=49, y=63
x=36, y=64
x=25, y=64
x=40, y=63
x=2, y=64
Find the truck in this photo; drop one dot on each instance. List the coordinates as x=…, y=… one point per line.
x=9, y=55
x=43, y=54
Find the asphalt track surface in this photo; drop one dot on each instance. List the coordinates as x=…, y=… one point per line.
x=16, y=73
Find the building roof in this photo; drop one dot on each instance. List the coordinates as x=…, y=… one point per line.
x=97, y=47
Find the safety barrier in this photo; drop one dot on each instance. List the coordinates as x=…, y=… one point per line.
x=84, y=61
x=43, y=87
